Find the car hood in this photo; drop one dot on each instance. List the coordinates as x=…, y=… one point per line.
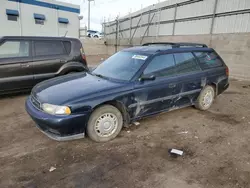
x=65, y=89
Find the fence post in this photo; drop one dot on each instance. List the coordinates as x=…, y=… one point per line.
x=149, y=14
x=141, y=22
x=116, y=34
x=212, y=23
x=214, y=12
x=130, y=29
x=175, y=13
x=118, y=27
x=136, y=27
x=159, y=24
x=147, y=28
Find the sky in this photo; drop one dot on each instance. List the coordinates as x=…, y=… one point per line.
x=108, y=9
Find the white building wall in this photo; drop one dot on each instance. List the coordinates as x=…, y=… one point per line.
x=26, y=26
x=69, y=28
x=8, y=27
x=29, y=27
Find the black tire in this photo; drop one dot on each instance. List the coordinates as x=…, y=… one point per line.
x=96, y=36
x=200, y=103
x=93, y=130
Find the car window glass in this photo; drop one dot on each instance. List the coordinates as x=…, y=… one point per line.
x=185, y=62
x=67, y=46
x=46, y=48
x=162, y=65
x=10, y=49
x=121, y=66
x=208, y=59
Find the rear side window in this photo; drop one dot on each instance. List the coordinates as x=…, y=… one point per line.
x=208, y=60
x=47, y=48
x=67, y=46
x=11, y=49
x=162, y=65
x=185, y=63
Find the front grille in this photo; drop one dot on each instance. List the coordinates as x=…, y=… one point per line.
x=35, y=102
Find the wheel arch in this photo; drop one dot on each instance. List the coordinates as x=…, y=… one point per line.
x=71, y=67
x=120, y=106
x=214, y=85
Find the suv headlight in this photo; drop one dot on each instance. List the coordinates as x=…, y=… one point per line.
x=56, y=110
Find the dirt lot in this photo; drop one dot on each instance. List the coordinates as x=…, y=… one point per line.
x=216, y=149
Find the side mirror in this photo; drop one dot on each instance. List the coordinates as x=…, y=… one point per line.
x=145, y=78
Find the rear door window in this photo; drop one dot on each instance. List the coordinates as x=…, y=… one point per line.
x=208, y=60
x=49, y=48
x=12, y=49
x=67, y=46
x=185, y=63
x=162, y=65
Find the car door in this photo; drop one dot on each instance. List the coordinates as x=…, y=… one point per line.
x=15, y=65
x=189, y=78
x=152, y=96
x=49, y=56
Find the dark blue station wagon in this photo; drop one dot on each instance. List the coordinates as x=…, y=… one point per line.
x=132, y=84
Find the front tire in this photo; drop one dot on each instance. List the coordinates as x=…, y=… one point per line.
x=206, y=98
x=105, y=123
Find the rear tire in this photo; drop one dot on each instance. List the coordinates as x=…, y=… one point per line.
x=206, y=98
x=105, y=123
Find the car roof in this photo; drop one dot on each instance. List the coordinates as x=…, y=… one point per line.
x=154, y=48
x=38, y=38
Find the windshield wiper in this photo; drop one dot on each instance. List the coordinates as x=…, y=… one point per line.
x=100, y=76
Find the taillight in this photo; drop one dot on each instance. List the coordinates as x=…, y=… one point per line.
x=83, y=54
x=227, y=71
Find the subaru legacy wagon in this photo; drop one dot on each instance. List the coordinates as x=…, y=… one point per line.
x=132, y=84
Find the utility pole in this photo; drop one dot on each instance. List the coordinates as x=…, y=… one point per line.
x=89, y=14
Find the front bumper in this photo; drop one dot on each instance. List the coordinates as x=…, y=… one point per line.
x=60, y=128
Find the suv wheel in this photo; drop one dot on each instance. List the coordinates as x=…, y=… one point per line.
x=96, y=36
x=205, y=98
x=105, y=123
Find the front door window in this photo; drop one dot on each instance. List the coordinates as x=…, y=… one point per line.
x=13, y=49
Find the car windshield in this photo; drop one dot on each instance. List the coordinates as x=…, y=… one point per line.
x=121, y=66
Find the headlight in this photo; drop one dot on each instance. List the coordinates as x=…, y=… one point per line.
x=56, y=110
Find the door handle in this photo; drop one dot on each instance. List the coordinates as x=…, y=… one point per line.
x=172, y=85
x=63, y=61
x=25, y=65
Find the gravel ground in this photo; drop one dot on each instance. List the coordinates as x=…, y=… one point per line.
x=215, y=144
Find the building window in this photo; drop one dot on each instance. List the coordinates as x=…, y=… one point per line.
x=41, y=22
x=63, y=20
x=39, y=18
x=12, y=18
x=12, y=14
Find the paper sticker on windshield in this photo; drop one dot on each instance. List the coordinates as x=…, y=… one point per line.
x=141, y=57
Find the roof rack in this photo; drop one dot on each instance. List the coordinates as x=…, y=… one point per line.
x=176, y=45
